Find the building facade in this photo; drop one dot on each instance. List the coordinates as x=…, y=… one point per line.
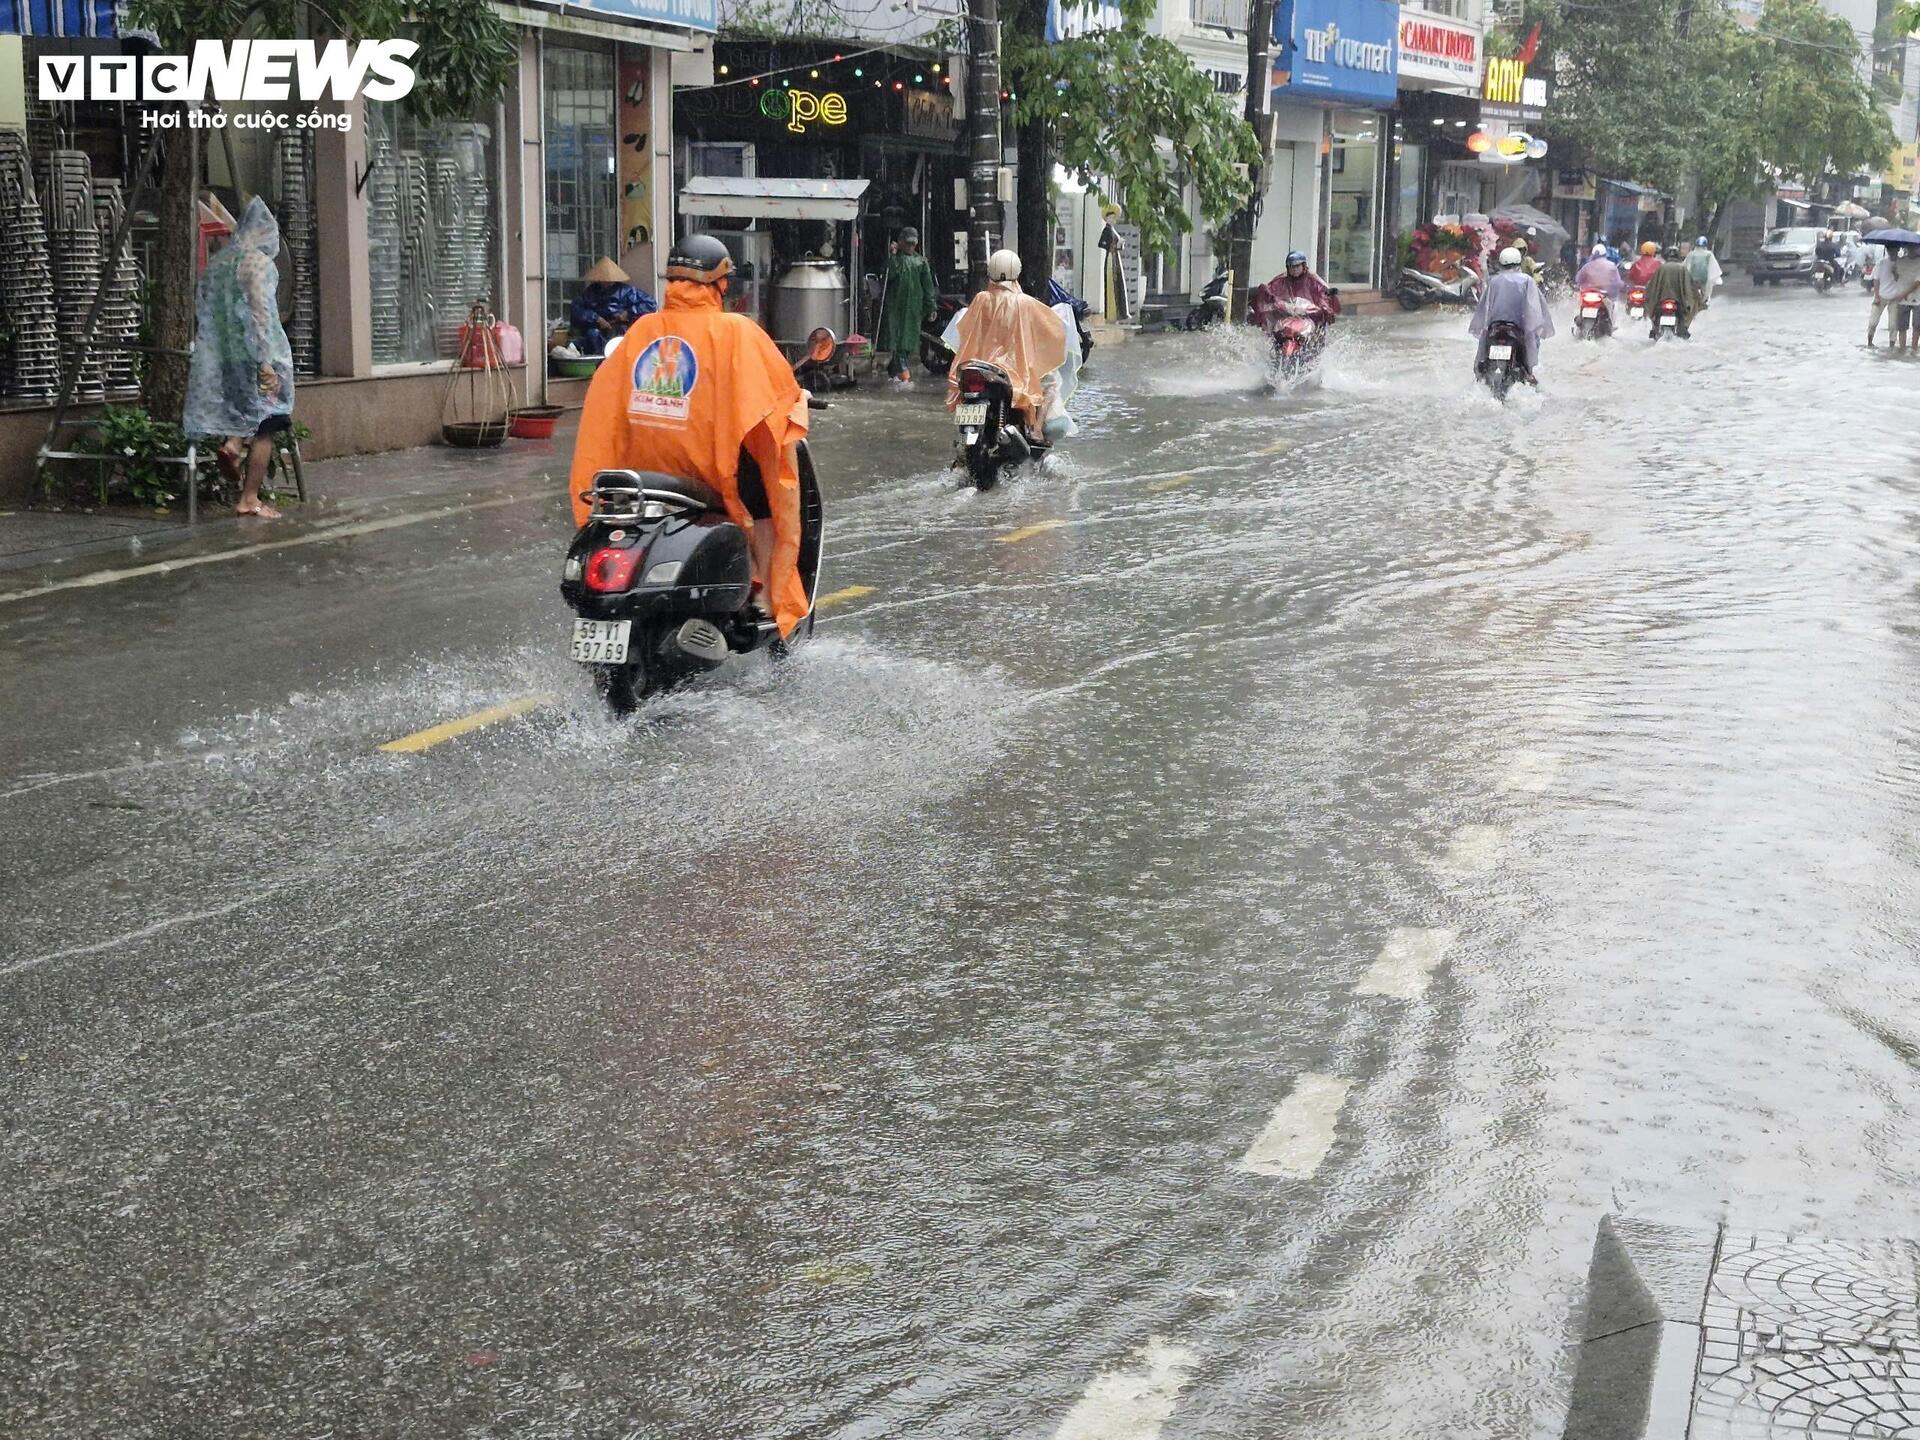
x=393, y=228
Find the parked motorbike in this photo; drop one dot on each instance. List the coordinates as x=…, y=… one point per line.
x=1637, y=302
x=1212, y=309
x=1669, y=319
x=1419, y=290
x=1298, y=339
x=935, y=354
x=1595, y=318
x=991, y=433
x=1505, y=364
x=659, y=580
x=824, y=364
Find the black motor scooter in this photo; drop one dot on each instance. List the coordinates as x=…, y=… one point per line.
x=1212, y=309
x=660, y=577
x=991, y=434
x=1504, y=366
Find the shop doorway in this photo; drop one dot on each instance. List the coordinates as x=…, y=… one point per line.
x=1351, y=235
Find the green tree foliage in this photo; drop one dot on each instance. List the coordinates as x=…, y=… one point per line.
x=466, y=57
x=1658, y=90
x=1130, y=114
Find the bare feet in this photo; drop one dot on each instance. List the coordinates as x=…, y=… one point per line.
x=258, y=508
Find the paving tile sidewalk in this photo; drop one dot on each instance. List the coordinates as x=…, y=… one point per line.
x=353, y=486
x=1740, y=1334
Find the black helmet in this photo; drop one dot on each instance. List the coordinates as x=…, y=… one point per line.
x=1294, y=257
x=699, y=258
x=1673, y=252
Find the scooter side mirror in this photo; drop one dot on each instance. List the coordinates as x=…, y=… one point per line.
x=821, y=345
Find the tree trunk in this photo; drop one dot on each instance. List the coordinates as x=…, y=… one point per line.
x=983, y=134
x=1260, y=116
x=171, y=288
x=1034, y=206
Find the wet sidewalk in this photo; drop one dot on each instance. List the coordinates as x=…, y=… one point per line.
x=345, y=490
x=1740, y=1334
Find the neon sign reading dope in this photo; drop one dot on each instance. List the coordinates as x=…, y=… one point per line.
x=801, y=108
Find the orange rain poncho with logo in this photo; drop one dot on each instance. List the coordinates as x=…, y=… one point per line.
x=1004, y=326
x=686, y=389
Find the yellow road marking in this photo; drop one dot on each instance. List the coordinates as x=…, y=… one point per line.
x=852, y=592
x=1027, y=532
x=1278, y=447
x=1170, y=483
x=434, y=734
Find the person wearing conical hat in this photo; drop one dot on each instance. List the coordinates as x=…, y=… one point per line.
x=606, y=307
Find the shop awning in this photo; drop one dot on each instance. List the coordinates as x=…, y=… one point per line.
x=61, y=19
x=772, y=199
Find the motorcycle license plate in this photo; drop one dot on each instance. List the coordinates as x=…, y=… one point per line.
x=600, y=642
x=1587, y=312
x=1499, y=352
x=970, y=414
x=1666, y=320
x=1636, y=312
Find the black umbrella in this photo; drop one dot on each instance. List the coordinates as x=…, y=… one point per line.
x=1891, y=237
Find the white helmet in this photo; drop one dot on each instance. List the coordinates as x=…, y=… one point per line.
x=1003, y=265
x=1598, y=250
x=1509, y=258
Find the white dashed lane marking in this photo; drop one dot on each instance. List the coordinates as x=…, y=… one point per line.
x=1474, y=851
x=1531, y=772
x=1300, y=1134
x=1406, y=964
x=1132, y=1404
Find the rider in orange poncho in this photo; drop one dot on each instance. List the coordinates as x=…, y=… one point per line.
x=1005, y=326
x=687, y=392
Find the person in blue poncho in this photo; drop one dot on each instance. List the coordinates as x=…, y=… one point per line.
x=608, y=305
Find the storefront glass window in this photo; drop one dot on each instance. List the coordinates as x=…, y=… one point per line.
x=1353, y=203
x=582, y=207
x=433, y=230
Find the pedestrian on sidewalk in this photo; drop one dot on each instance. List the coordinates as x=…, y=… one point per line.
x=1895, y=279
x=240, y=380
x=909, y=302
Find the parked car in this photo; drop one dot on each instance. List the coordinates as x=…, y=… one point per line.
x=1786, y=254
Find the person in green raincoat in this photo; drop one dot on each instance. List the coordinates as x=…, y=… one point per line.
x=1673, y=281
x=910, y=300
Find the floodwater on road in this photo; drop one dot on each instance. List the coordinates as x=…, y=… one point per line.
x=1191, y=948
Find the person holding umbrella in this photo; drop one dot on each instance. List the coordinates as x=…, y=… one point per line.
x=1895, y=280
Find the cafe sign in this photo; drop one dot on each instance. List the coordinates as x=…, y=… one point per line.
x=1437, y=51
x=1509, y=92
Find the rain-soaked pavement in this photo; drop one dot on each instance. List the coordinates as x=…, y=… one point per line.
x=1192, y=948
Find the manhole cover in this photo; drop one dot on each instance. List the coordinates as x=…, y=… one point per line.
x=1822, y=1393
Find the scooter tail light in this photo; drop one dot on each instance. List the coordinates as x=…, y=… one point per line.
x=973, y=384
x=1669, y=307
x=1590, y=297
x=610, y=571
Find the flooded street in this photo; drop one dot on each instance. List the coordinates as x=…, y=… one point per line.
x=1192, y=947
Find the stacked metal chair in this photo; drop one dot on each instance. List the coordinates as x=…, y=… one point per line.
x=463, y=217
x=117, y=329
x=383, y=244
x=73, y=239
x=26, y=282
x=297, y=234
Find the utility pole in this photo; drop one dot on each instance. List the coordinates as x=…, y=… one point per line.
x=1260, y=117
x=983, y=138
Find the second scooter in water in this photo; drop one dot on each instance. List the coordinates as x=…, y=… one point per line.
x=1013, y=373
